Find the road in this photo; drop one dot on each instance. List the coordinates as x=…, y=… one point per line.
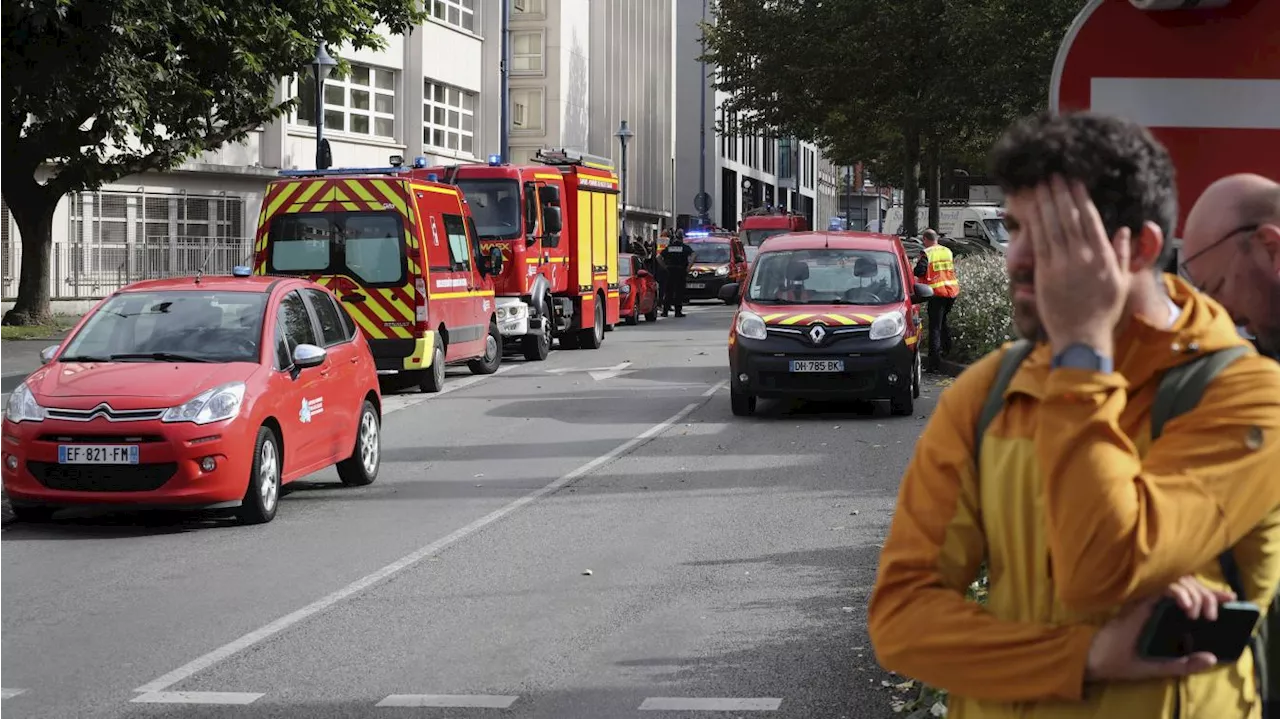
x=592, y=536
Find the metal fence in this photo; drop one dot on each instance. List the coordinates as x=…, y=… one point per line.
x=113, y=238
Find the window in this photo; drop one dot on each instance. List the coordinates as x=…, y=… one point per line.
x=365, y=245
x=827, y=276
x=459, y=13
x=207, y=326
x=529, y=7
x=495, y=207
x=329, y=315
x=448, y=117
x=362, y=103
x=294, y=325
x=459, y=249
x=526, y=108
x=526, y=52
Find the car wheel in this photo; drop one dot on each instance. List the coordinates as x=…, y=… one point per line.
x=591, y=339
x=536, y=347
x=262, y=496
x=432, y=379
x=492, y=353
x=901, y=402
x=633, y=318
x=361, y=467
x=917, y=377
x=742, y=404
x=32, y=513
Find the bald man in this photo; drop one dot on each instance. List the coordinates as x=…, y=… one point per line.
x=1231, y=247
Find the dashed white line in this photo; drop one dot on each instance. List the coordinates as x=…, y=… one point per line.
x=692, y=704
x=197, y=698
x=10, y=693
x=450, y=701
x=396, y=402
x=258, y=635
x=715, y=388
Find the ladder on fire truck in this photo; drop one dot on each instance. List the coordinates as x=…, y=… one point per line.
x=568, y=158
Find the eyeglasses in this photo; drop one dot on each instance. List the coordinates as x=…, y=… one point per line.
x=1184, y=266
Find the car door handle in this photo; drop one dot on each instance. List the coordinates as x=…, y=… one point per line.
x=354, y=360
x=354, y=297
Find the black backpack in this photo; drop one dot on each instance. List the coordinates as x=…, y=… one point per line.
x=1179, y=391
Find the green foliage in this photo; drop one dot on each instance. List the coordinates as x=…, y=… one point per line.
x=982, y=318
x=94, y=90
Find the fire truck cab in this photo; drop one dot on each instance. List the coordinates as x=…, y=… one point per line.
x=760, y=224
x=556, y=226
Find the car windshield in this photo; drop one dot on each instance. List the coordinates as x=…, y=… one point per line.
x=174, y=325
x=826, y=276
x=997, y=230
x=495, y=206
x=714, y=253
x=755, y=238
x=368, y=246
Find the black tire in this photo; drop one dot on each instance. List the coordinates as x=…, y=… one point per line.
x=32, y=513
x=592, y=338
x=633, y=319
x=432, y=378
x=262, y=496
x=535, y=348
x=569, y=340
x=916, y=377
x=652, y=315
x=362, y=466
x=901, y=402
x=492, y=359
x=742, y=404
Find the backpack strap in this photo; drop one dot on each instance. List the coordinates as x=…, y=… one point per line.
x=1009, y=363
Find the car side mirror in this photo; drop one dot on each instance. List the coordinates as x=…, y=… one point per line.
x=729, y=292
x=48, y=353
x=305, y=355
x=921, y=293
x=550, y=220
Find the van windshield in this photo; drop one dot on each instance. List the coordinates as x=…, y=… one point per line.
x=368, y=246
x=826, y=277
x=755, y=238
x=495, y=206
x=997, y=230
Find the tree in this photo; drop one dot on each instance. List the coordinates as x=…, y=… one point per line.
x=95, y=90
x=885, y=82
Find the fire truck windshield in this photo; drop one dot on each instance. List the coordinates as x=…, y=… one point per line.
x=755, y=238
x=495, y=206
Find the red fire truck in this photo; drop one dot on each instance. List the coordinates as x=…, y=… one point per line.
x=760, y=224
x=556, y=225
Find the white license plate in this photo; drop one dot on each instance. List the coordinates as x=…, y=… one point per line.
x=696, y=285
x=817, y=365
x=97, y=454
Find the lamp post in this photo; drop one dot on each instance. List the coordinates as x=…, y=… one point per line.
x=703, y=201
x=624, y=135
x=320, y=67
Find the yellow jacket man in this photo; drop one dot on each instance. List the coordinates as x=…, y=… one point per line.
x=1077, y=513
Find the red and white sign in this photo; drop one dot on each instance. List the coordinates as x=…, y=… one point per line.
x=1206, y=82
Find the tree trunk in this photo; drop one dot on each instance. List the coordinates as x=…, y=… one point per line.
x=911, y=184
x=32, y=205
x=933, y=181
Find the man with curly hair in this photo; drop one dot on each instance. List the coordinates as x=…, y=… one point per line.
x=1081, y=518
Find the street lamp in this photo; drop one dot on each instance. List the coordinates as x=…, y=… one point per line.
x=320, y=68
x=624, y=135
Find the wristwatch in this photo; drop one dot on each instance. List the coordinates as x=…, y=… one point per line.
x=1082, y=356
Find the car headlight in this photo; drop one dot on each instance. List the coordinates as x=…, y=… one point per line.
x=212, y=405
x=722, y=271
x=889, y=324
x=22, y=406
x=625, y=289
x=751, y=326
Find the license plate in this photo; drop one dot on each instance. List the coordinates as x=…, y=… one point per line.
x=696, y=285
x=97, y=454
x=817, y=365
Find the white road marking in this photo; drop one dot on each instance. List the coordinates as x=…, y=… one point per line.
x=691, y=704
x=258, y=635
x=10, y=693
x=597, y=373
x=1190, y=102
x=475, y=701
x=396, y=402
x=716, y=388
x=197, y=698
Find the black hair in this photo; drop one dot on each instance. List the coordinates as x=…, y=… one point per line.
x=1128, y=173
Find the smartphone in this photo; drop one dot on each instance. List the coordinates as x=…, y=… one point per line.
x=1170, y=634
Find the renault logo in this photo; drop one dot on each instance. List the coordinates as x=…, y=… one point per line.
x=817, y=333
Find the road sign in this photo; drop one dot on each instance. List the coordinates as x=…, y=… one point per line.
x=1217, y=107
x=702, y=202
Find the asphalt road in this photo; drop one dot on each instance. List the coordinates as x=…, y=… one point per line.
x=592, y=536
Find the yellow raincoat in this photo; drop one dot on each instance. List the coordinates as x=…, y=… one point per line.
x=1079, y=513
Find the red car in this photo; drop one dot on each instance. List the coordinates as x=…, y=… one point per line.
x=827, y=315
x=638, y=290
x=204, y=392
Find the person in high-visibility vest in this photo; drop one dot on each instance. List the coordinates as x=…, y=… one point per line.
x=937, y=268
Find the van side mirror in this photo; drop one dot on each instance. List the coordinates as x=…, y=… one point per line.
x=729, y=293
x=551, y=220
x=920, y=293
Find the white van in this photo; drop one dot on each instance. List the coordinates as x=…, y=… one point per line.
x=983, y=222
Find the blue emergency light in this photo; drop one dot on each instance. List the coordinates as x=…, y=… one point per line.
x=697, y=233
x=420, y=162
x=495, y=159
x=241, y=271
x=433, y=177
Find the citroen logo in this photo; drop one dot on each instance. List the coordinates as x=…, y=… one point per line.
x=817, y=333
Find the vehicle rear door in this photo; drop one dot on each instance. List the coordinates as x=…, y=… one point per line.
x=298, y=396
x=462, y=289
x=342, y=387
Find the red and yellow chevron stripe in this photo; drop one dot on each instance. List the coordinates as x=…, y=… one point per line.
x=847, y=319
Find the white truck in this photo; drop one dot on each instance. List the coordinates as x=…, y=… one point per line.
x=982, y=222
